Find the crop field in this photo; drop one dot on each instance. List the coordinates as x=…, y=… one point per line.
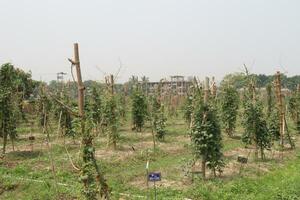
x=178, y=139
x=26, y=172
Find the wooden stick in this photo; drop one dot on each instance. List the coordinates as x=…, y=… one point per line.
x=206, y=90
x=280, y=106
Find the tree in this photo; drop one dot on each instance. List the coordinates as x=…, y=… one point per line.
x=206, y=137
x=95, y=105
x=255, y=125
x=188, y=109
x=273, y=114
x=64, y=116
x=139, y=109
x=158, y=118
x=111, y=119
x=229, y=108
x=111, y=113
x=270, y=101
x=273, y=125
x=294, y=108
x=206, y=133
x=13, y=89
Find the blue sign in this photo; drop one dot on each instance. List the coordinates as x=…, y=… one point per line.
x=154, y=176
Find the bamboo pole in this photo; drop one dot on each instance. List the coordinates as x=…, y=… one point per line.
x=88, y=154
x=214, y=88
x=281, y=108
x=114, y=142
x=206, y=96
x=81, y=87
x=206, y=90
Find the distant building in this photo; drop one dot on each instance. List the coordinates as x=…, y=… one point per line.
x=176, y=85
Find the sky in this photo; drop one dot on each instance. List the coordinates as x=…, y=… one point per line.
x=155, y=38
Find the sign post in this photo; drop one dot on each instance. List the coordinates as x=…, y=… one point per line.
x=153, y=177
x=147, y=174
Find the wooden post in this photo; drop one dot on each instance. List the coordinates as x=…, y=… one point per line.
x=252, y=90
x=214, y=88
x=114, y=142
x=88, y=154
x=81, y=87
x=112, y=84
x=281, y=108
x=206, y=96
x=206, y=90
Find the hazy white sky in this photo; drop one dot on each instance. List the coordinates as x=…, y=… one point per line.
x=156, y=38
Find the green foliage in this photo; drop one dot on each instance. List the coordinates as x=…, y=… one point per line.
x=206, y=136
x=188, y=109
x=229, y=108
x=273, y=124
x=270, y=101
x=111, y=119
x=158, y=118
x=239, y=80
x=122, y=105
x=44, y=106
x=13, y=88
x=294, y=108
x=95, y=104
x=63, y=113
x=160, y=123
x=255, y=125
x=139, y=109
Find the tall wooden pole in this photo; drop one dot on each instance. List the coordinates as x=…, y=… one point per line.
x=280, y=106
x=214, y=88
x=112, y=84
x=113, y=137
x=88, y=154
x=206, y=89
x=81, y=87
x=206, y=96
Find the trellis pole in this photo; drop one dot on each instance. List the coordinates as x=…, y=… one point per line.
x=280, y=107
x=206, y=96
x=87, y=140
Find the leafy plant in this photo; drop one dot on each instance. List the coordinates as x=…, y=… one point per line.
x=111, y=119
x=255, y=125
x=294, y=108
x=229, y=108
x=11, y=97
x=206, y=137
x=139, y=109
x=188, y=109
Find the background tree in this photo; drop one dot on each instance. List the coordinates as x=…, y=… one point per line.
x=229, y=108
x=188, y=109
x=159, y=119
x=139, y=109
